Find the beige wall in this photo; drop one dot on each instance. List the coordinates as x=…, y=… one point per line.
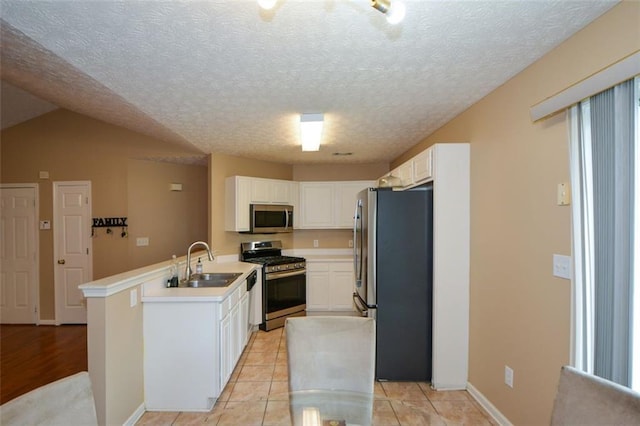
x=173, y=219
x=520, y=313
x=74, y=147
x=331, y=172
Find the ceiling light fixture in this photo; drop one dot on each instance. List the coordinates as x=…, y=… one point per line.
x=395, y=10
x=311, y=131
x=267, y=4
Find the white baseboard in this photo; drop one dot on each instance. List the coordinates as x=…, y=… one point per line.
x=135, y=416
x=47, y=322
x=488, y=406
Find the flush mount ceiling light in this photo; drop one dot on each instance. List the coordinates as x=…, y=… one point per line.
x=395, y=10
x=311, y=131
x=267, y=4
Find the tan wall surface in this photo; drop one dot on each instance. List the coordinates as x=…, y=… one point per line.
x=74, y=147
x=331, y=172
x=175, y=219
x=124, y=369
x=520, y=313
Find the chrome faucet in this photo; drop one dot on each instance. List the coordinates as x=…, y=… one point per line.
x=187, y=272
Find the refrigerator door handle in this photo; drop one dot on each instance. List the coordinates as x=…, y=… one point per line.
x=357, y=266
x=364, y=311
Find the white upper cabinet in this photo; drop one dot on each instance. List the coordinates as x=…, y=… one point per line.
x=270, y=191
x=317, y=205
x=241, y=191
x=415, y=171
x=422, y=166
x=237, y=200
x=329, y=205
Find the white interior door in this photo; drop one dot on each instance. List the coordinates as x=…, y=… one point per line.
x=72, y=249
x=18, y=254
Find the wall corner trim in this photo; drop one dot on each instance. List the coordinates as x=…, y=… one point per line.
x=488, y=406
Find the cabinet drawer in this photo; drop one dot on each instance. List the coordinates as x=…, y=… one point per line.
x=317, y=267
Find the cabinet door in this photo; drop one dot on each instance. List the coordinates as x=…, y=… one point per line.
x=235, y=334
x=226, y=365
x=346, y=193
x=317, y=205
x=294, y=200
x=279, y=190
x=237, y=200
x=405, y=173
x=243, y=320
x=422, y=166
x=341, y=287
x=260, y=191
x=318, y=287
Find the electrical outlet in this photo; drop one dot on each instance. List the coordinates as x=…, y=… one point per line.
x=562, y=266
x=350, y=243
x=508, y=376
x=315, y=243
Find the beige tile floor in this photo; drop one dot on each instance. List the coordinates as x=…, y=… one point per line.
x=257, y=395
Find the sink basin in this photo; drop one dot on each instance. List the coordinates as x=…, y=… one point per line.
x=211, y=279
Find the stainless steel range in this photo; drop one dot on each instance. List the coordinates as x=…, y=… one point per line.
x=284, y=292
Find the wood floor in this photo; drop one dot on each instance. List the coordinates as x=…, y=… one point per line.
x=32, y=356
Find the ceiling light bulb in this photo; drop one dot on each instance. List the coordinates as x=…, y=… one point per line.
x=396, y=12
x=267, y=4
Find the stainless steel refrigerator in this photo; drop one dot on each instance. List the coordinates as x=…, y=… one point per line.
x=393, y=260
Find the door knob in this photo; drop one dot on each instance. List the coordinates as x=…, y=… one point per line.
x=61, y=262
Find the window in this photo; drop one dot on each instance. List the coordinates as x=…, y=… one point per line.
x=605, y=165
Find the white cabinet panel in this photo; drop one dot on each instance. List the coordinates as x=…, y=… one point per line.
x=329, y=205
x=422, y=166
x=317, y=202
x=237, y=200
x=191, y=349
x=346, y=194
x=329, y=286
x=341, y=282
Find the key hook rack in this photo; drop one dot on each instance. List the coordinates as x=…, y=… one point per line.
x=110, y=222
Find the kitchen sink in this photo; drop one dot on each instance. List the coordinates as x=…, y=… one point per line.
x=211, y=279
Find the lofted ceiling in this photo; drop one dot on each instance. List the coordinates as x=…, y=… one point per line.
x=226, y=76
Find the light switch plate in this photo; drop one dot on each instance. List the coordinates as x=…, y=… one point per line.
x=564, y=194
x=562, y=266
x=142, y=241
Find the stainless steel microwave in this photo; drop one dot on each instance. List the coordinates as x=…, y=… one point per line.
x=270, y=218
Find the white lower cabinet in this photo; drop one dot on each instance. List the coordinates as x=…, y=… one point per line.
x=329, y=286
x=191, y=349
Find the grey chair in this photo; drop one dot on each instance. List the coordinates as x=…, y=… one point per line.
x=585, y=399
x=68, y=401
x=331, y=353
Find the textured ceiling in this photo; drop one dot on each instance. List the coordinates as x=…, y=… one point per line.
x=226, y=76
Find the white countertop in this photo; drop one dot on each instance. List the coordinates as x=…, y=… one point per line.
x=162, y=294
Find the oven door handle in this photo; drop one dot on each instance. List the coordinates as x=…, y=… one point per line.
x=285, y=274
